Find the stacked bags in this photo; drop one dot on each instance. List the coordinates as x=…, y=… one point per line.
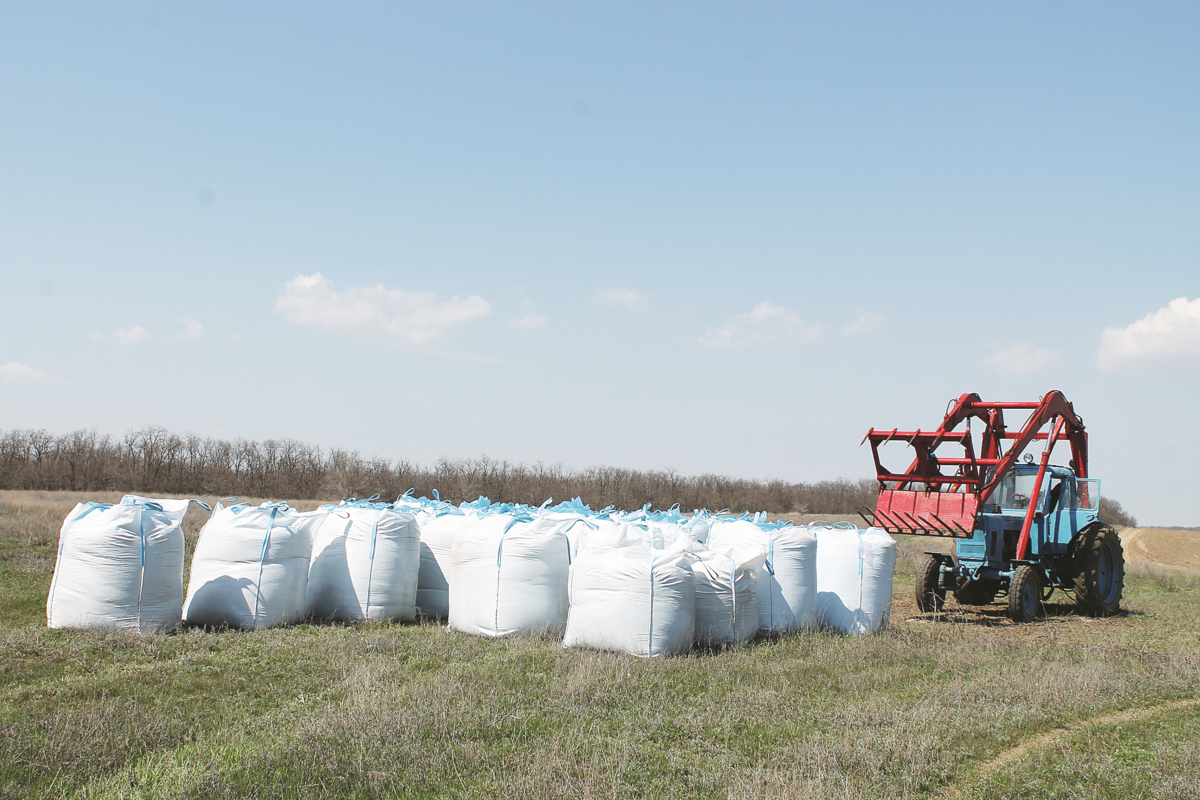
x=751, y=576
x=258, y=567
x=650, y=586
x=643, y=582
x=787, y=582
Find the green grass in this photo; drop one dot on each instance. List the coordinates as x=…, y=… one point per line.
x=1158, y=757
x=383, y=710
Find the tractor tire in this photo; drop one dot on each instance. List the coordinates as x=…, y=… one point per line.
x=1025, y=594
x=1097, y=570
x=976, y=593
x=930, y=595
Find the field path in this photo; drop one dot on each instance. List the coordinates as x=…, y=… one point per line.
x=1046, y=737
x=1176, y=550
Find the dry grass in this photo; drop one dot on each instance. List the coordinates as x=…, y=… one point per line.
x=413, y=711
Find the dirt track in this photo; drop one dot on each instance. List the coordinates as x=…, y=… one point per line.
x=1041, y=740
x=1176, y=550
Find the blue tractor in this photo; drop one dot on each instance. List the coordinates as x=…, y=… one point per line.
x=1022, y=526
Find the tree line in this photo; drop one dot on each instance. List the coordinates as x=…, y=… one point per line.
x=155, y=461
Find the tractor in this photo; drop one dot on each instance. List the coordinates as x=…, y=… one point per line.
x=1022, y=527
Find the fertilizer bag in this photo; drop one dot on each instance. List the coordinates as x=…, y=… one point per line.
x=854, y=578
x=585, y=532
x=787, y=584
x=120, y=566
x=726, y=596
x=250, y=568
x=633, y=600
x=437, y=544
x=365, y=558
x=509, y=577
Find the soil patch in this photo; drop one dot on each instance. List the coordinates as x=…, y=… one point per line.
x=1163, y=547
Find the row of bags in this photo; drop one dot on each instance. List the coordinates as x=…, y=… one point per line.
x=645, y=583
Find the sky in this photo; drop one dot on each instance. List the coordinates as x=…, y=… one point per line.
x=709, y=237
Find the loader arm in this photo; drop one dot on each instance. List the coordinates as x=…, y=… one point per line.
x=925, y=500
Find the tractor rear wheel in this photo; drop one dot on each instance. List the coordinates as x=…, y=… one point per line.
x=931, y=595
x=976, y=593
x=1098, y=570
x=1025, y=594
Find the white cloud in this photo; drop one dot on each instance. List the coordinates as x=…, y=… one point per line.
x=22, y=373
x=130, y=335
x=396, y=314
x=624, y=299
x=1167, y=334
x=864, y=324
x=765, y=324
x=528, y=322
x=192, y=329
x=1021, y=358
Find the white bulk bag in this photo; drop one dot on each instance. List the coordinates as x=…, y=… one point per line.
x=250, y=568
x=653, y=535
x=697, y=528
x=509, y=576
x=726, y=597
x=854, y=578
x=437, y=543
x=601, y=533
x=364, y=564
x=787, y=584
x=663, y=534
x=657, y=531
x=584, y=531
x=628, y=534
x=119, y=566
x=633, y=600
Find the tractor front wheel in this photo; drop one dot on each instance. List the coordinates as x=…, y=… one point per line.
x=1098, y=570
x=931, y=595
x=1025, y=594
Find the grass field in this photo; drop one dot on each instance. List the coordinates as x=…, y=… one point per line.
x=965, y=706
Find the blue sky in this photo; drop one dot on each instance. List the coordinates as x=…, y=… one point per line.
x=711, y=237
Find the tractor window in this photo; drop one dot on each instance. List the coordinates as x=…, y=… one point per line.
x=1015, y=491
x=1070, y=496
x=1089, y=494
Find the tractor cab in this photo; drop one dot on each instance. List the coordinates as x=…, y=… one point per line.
x=1062, y=507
